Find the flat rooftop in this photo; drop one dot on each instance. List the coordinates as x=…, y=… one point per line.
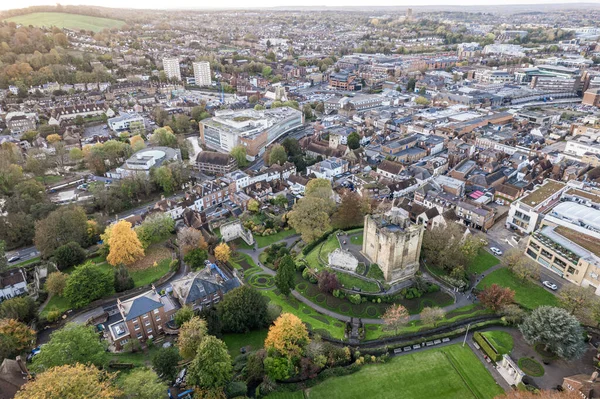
x=590, y=243
x=542, y=193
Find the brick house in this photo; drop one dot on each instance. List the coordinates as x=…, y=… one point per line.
x=144, y=317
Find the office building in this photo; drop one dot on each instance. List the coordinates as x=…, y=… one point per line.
x=171, y=68
x=202, y=73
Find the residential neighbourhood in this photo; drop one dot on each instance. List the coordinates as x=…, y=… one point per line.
x=300, y=202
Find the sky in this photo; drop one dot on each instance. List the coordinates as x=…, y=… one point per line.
x=161, y=4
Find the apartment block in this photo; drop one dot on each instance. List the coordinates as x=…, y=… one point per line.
x=171, y=68
x=202, y=73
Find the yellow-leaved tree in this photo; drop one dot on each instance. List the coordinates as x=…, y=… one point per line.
x=288, y=336
x=124, y=244
x=222, y=252
x=78, y=381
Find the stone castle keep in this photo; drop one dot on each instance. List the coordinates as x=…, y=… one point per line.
x=393, y=242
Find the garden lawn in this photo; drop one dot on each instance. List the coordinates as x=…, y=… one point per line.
x=268, y=240
x=286, y=395
x=151, y=274
x=138, y=359
x=451, y=372
x=349, y=281
x=482, y=262
x=254, y=339
x=527, y=294
x=56, y=303
x=357, y=240
x=502, y=341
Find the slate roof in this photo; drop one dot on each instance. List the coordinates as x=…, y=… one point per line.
x=140, y=306
x=198, y=285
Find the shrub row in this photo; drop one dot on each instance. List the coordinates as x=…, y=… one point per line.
x=487, y=348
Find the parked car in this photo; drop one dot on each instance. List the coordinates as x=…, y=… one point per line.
x=500, y=202
x=496, y=251
x=550, y=285
x=13, y=259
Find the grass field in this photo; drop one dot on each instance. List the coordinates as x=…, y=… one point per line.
x=449, y=372
x=268, y=240
x=286, y=395
x=482, y=262
x=502, y=341
x=64, y=20
x=527, y=294
x=254, y=339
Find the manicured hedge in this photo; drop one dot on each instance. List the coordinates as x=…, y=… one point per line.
x=488, y=349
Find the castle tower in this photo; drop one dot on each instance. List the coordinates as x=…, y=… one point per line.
x=393, y=242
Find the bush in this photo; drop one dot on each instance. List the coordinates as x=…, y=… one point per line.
x=355, y=299
x=235, y=389
x=360, y=269
x=69, y=255
x=433, y=288
x=53, y=316
x=174, y=265
x=486, y=347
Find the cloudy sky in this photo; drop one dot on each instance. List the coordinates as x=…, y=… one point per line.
x=5, y=4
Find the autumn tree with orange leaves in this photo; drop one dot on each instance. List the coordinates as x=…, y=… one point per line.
x=287, y=336
x=223, y=252
x=77, y=381
x=495, y=297
x=124, y=245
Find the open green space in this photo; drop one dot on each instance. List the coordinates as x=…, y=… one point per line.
x=138, y=359
x=286, y=395
x=502, y=341
x=449, y=372
x=377, y=331
x=349, y=281
x=49, y=179
x=357, y=240
x=317, y=258
x=268, y=240
x=64, y=20
x=370, y=308
x=527, y=294
x=151, y=274
x=241, y=244
x=482, y=262
x=254, y=340
x=56, y=303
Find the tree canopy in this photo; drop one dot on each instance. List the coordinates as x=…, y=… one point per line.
x=124, y=245
x=288, y=336
x=211, y=368
x=64, y=225
x=86, y=284
x=243, y=309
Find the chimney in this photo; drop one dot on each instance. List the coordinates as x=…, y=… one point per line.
x=22, y=365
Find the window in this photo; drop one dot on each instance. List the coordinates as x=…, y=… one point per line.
x=124, y=341
x=149, y=331
x=136, y=327
x=156, y=311
x=145, y=316
x=147, y=323
x=157, y=318
x=139, y=335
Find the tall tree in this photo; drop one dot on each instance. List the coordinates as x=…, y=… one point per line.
x=56, y=283
x=288, y=336
x=69, y=255
x=166, y=362
x=555, y=328
x=15, y=338
x=223, y=252
x=164, y=137
x=191, y=335
x=351, y=212
x=284, y=279
x=432, y=315
x=21, y=308
x=310, y=218
x=63, y=225
x=142, y=384
x=3, y=258
x=72, y=344
x=211, y=368
x=580, y=302
x=123, y=280
x=195, y=258
x=327, y=281
x=277, y=155
x=353, y=140
x=395, y=317
x=71, y=381
x=86, y=284
x=239, y=154
x=521, y=265
x=189, y=238
x=125, y=246
x=155, y=228
x=495, y=297
x=243, y=309
x=163, y=177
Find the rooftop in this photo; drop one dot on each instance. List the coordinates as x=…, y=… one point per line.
x=590, y=243
x=542, y=193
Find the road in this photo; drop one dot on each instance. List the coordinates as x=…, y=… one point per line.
x=23, y=253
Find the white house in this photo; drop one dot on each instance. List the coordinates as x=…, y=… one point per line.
x=328, y=168
x=12, y=284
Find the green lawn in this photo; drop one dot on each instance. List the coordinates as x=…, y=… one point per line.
x=448, y=372
x=64, y=20
x=482, y=262
x=350, y=281
x=286, y=395
x=502, y=341
x=268, y=240
x=56, y=303
x=254, y=339
x=527, y=294
x=151, y=274
x=49, y=179
x=324, y=249
x=139, y=359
